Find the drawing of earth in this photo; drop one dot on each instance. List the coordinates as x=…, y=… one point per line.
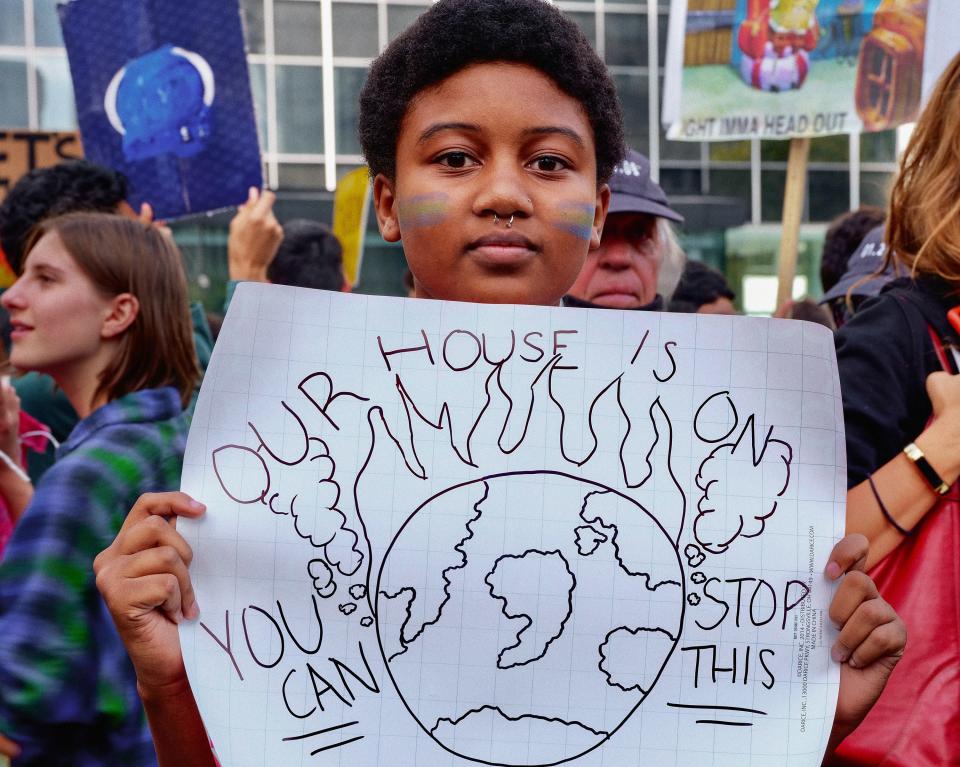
x=524, y=617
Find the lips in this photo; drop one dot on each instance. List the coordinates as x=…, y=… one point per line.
x=502, y=249
x=19, y=329
x=619, y=295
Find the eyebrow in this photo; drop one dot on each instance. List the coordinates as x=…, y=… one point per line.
x=545, y=130
x=436, y=128
x=38, y=266
x=548, y=130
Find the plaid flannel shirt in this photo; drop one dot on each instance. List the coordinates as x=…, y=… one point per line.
x=67, y=688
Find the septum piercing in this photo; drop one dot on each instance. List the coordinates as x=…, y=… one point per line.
x=496, y=220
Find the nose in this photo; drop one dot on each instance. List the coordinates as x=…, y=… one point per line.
x=616, y=254
x=12, y=297
x=503, y=190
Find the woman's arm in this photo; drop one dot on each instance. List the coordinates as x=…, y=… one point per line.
x=900, y=486
x=17, y=491
x=144, y=579
x=15, y=485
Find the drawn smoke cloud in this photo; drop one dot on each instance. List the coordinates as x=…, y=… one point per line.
x=325, y=526
x=323, y=582
x=305, y=490
x=694, y=556
x=742, y=483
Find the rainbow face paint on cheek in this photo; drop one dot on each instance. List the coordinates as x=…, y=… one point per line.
x=423, y=210
x=576, y=218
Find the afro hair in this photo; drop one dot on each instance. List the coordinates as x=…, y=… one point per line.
x=70, y=187
x=452, y=35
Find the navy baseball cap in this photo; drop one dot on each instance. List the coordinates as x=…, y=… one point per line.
x=635, y=192
x=866, y=260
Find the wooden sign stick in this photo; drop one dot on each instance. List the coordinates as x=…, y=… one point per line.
x=793, y=197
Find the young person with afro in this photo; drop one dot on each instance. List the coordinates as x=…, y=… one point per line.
x=491, y=129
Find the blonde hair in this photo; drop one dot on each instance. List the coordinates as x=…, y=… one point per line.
x=923, y=229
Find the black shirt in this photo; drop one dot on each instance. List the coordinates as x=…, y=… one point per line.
x=885, y=355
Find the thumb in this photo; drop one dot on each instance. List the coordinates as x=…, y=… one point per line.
x=146, y=213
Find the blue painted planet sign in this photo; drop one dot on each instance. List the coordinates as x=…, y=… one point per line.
x=163, y=95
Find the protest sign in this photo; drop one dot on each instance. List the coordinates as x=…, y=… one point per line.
x=801, y=68
x=22, y=151
x=449, y=534
x=351, y=203
x=796, y=69
x=163, y=95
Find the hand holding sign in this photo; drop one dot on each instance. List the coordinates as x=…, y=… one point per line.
x=872, y=636
x=144, y=580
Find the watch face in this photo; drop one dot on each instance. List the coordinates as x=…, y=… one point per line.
x=935, y=481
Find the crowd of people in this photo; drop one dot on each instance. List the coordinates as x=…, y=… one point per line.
x=108, y=354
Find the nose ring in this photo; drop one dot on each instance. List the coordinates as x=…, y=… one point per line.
x=510, y=222
x=495, y=219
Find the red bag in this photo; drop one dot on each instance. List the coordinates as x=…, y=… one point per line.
x=916, y=722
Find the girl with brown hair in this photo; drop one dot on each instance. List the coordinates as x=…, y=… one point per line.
x=898, y=360
x=101, y=306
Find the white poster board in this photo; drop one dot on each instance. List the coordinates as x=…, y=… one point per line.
x=739, y=69
x=456, y=534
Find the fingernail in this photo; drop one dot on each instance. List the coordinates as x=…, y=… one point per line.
x=833, y=570
x=178, y=617
x=197, y=506
x=853, y=663
x=839, y=653
x=192, y=612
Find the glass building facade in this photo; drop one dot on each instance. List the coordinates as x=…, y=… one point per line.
x=306, y=98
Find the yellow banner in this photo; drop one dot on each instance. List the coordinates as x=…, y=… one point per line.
x=350, y=206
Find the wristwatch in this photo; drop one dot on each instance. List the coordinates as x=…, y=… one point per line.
x=935, y=481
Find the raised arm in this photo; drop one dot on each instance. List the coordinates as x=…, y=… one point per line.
x=255, y=235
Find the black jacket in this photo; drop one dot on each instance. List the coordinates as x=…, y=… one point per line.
x=885, y=354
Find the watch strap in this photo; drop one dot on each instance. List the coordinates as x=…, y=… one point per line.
x=933, y=479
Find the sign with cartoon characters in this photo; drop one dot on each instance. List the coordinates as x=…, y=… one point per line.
x=444, y=534
x=163, y=95
x=797, y=68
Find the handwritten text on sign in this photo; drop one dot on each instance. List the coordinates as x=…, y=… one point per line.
x=447, y=534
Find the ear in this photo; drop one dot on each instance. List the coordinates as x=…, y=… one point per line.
x=385, y=204
x=599, y=216
x=121, y=312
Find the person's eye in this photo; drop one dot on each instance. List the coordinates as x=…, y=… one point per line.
x=641, y=234
x=456, y=160
x=549, y=164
